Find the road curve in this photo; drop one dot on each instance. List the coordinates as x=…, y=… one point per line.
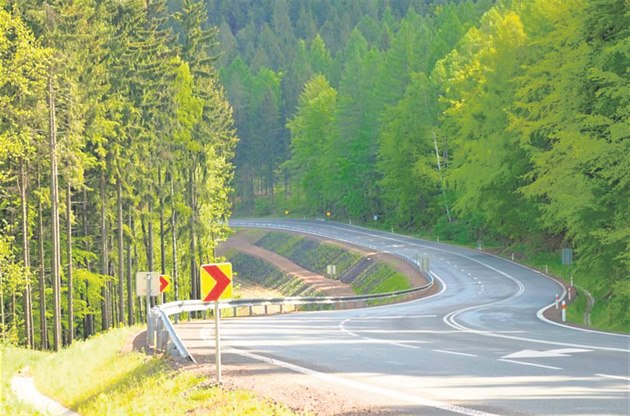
x=480, y=346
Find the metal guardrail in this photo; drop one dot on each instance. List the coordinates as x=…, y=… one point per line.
x=160, y=326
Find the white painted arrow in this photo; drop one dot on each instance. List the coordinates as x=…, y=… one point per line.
x=562, y=352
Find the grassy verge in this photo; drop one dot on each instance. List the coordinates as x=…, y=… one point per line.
x=380, y=278
x=94, y=378
x=309, y=254
x=258, y=271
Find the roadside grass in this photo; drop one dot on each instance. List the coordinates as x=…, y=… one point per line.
x=12, y=360
x=260, y=272
x=94, y=377
x=309, y=254
x=380, y=278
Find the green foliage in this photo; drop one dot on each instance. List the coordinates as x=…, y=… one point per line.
x=514, y=115
x=144, y=136
x=312, y=136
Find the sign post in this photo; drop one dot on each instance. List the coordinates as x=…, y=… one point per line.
x=216, y=284
x=217, y=339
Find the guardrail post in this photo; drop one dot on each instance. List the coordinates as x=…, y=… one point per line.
x=251, y=310
x=156, y=328
x=158, y=333
x=150, y=329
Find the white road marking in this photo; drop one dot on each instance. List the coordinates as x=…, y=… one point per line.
x=562, y=352
x=449, y=319
x=529, y=364
x=457, y=353
x=392, y=394
x=371, y=318
x=614, y=377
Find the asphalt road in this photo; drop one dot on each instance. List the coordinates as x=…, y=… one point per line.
x=479, y=346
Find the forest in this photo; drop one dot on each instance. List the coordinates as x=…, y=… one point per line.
x=116, y=141
x=125, y=124
x=478, y=121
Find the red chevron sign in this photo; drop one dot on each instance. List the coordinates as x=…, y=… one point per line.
x=165, y=283
x=216, y=281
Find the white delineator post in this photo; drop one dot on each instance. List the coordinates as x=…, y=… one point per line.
x=564, y=311
x=557, y=301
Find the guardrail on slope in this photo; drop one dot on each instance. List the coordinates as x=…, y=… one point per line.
x=161, y=330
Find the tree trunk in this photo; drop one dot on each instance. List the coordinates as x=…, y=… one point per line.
x=70, y=282
x=150, y=241
x=150, y=246
x=174, y=239
x=88, y=321
x=147, y=234
x=139, y=316
x=105, y=317
x=28, y=298
x=162, y=234
x=121, y=268
x=193, y=248
x=2, y=316
x=54, y=200
x=43, y=328
x=130, y=308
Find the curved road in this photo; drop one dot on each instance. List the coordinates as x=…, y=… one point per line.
x=478, y=347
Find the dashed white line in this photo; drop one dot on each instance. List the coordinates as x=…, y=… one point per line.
x=529, y=364
x=614, y=377
x=456, y=353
